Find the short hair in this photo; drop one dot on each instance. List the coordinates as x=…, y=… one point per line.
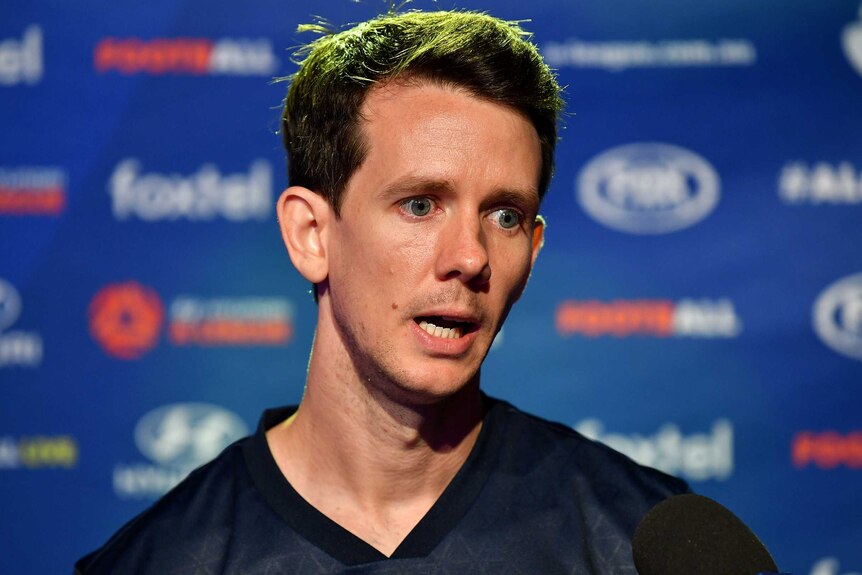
x=488, y=57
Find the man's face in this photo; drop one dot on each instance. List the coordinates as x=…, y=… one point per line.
x=436, y=239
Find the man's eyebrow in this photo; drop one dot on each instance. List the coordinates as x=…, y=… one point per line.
x=412, y=185
x=525, y=199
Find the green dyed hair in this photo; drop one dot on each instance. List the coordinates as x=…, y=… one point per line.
x=488, y=57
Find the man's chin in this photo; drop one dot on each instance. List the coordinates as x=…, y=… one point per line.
x=419, y=390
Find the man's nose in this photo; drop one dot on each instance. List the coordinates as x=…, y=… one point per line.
x=463, y=253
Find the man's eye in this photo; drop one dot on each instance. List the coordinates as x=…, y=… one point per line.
x=507, y=218
x=417, y=206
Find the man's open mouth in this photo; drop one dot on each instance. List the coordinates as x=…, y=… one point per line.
x=443, y=327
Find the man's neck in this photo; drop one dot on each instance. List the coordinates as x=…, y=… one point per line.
x=373, y=464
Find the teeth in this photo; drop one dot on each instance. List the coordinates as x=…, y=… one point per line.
x=441, y=332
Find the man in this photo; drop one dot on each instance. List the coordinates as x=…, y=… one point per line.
x=420, y=146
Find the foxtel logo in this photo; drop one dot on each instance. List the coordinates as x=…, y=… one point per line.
x=203, y=196
x=657, y=318
x=697, y=457
x=191, y=56
x=21, y=61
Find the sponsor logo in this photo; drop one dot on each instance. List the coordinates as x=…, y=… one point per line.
x=21, y=60
x=186, y=435
x=837, y=316
x=205, y=195
x=827, y=449
x=820, y=184
x=186, y=56
x=230, y=321
x=32, y=191
x=176, y=438
x=616, y=56
x=703, y=318
x=10, y=305
x=126, y=319
x=38, y=452
x=830, y=566
x=695, y=457
x=648, y=188
x=851, y=40
x=17, y=348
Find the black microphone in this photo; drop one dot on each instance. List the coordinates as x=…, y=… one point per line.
x=693, y=535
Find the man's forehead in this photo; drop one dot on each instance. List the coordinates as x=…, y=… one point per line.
x=417, y=132
x=398, y=87
x=429, y=106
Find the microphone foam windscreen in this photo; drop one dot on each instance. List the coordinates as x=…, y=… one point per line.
x=693, y=535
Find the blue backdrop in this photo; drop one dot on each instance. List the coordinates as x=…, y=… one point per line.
x=698, y=304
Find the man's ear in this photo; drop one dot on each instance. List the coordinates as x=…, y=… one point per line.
x=303, y=217
x=538, y=238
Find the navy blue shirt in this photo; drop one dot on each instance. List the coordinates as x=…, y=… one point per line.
x=532, y=497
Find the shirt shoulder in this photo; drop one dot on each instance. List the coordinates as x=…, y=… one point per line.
x=553, y=452
x=186, y=529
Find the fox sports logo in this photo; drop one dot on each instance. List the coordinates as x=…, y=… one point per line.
x=186, y=435
x=838, y=316
x=851, y=40
x=648, y=188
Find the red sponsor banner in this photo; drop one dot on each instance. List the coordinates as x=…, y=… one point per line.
x=617, y=318
x=230, y=332
x=32, y=190
x=700, y=318
x=827, y=449
x=185, y=56
x=32, y=201
x=159, y=56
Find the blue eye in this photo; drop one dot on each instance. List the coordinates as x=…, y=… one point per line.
x=417, y=206
x=507, y=218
